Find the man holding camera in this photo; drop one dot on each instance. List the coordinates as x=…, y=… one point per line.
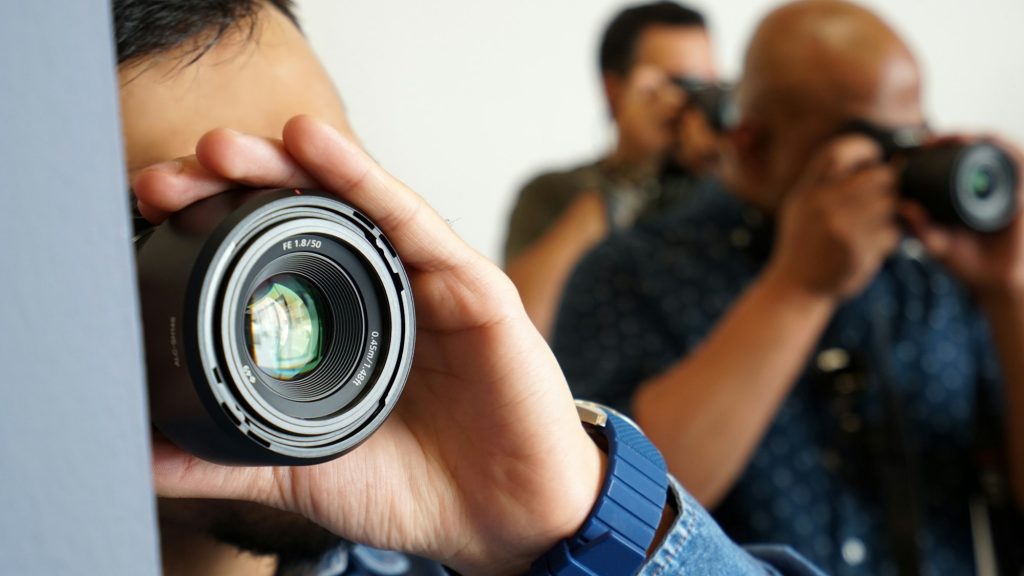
x=662, y=141
x=807, y=371
x=484, y=465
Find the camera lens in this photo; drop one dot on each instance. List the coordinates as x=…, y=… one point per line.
x=279, y=327
x=984, y=187
x=286, y=326
x=971, y=185
x=981, y=182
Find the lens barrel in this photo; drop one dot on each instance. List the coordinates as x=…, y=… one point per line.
x=971, y=185
x=958, y=184
x=279, y=327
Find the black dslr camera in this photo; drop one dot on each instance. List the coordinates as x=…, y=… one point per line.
x=279, y=327
x=713, y=99
x=970, y=185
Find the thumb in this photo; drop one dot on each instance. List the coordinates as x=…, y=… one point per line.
x=843, y=156
x=178, y=474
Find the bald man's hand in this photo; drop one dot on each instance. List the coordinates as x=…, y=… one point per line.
x=839, y=223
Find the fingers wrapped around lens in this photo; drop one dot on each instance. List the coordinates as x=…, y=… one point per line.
x=178, y=474
x=312, y=154
x=224, y=159
x=843, y=157
x=869, y=199
x=420, y=235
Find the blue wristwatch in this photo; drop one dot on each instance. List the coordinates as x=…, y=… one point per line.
x=614, y=539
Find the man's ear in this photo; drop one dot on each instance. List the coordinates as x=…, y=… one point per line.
x=750, y=142
x=743, y=154
x=614, y=85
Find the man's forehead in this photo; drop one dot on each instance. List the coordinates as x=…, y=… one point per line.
x=252, y=82
x=678, y=50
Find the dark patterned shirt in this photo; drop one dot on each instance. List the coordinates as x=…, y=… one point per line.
x=915, y=346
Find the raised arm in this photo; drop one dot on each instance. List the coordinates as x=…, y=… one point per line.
x=708, y=411
x=540, y=272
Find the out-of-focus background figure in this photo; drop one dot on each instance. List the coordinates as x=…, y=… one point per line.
x=813, y=374
x=646, y=52
x=478, y=98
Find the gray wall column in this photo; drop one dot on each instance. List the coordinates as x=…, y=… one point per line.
x=75, y=487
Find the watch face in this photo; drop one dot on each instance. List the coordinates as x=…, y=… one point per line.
x=592, y=413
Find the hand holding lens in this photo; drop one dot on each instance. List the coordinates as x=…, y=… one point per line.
x=973, y=185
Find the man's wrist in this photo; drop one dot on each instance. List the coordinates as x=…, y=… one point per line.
x=582, y=492
x=785, y=291
x=510, y=544
x=617, y=534
x=589, y=484
x=999, y=298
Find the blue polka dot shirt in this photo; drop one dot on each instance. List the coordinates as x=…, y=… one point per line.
x=646, y=297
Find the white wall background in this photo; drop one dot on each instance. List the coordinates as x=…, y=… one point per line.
x=465, y=99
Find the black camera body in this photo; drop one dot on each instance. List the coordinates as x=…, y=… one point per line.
x=713, y=99
x=279, y=327
x=973, y=185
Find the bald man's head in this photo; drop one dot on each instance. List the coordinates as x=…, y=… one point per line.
x=810, y=67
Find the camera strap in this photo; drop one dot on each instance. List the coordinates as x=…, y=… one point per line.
x=996, y=524
x=883, y=444
x=896, y=455
x=872, y=437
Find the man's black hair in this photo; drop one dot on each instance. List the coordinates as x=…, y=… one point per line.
x=618, y=44
x=149, y=27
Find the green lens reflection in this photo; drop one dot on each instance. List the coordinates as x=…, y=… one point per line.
x=285, y=327
x=981, y=183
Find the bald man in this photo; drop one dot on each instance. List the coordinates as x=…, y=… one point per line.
x=807, y=372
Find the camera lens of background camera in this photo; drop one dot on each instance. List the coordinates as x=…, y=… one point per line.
x=981, y=182
x=984, y=187
x=966, y=184
x=286, y=319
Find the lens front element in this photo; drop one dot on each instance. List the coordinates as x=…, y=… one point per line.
x=981, y=182
x=285, y=319
x=984, y=187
